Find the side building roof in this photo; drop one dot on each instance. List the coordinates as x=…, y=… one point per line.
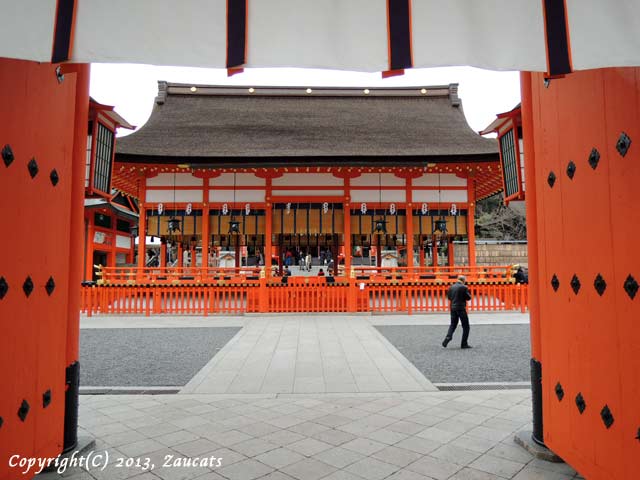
x=278, y=126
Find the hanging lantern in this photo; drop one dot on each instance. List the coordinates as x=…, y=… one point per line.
x=234, y=226
x=381, y=225
x=288, y=208
x=325, y=207
x=189, y=209
x=225, y=209
x=363, y=208
x=441, y=225
x=160, y=208
x=424, y=209
x=454, y=209
x=392, y=209
x=247, y=208
x=174, y=225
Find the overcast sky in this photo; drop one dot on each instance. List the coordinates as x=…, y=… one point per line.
x=132, y=88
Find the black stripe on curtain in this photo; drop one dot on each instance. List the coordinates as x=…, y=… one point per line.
x=557, y=37
x=399, y=19
x=63, y=31
x=236, y=32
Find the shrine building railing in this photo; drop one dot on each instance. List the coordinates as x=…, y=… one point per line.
x=235, y=291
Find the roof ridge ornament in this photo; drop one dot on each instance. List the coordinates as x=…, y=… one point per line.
x=162, y=92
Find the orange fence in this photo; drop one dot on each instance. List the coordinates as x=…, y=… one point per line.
x=299, y=294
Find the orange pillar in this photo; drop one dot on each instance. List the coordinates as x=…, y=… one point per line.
x=347, y=235
x=142, y=223
x=205, y=234
x=409, y=222
x=471, y=224
x=82, y=74
x=268, y=222
x=88, y=273
x=163, y=253
x=532, y=247
x=180, y=255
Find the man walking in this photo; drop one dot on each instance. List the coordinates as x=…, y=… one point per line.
x=458, y=296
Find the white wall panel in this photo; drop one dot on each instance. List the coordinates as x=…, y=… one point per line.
x=182, y=180
x=308, y=193
x=446, y=196
x=242, y=196
x=123, y=241
x=374, y=196
x=167, y=196
x=308, y=179
x=373, y=180
x=446, y=180
x=242, y=180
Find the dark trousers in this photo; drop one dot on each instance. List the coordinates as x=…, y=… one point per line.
x=459, y=314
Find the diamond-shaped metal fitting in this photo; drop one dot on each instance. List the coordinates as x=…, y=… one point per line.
x=594, y=158
x=580, y=403
x=53, y=176
x=623, y=144
x=27, y=286
x=559, y=391
x=555, y=283
x=600, y=285
x=4, y=287
x=607, y=416
x=575, y=284
x=571, y=170
x=33, y=167
x=23, y=411
x=7, y=155
x=551, y=179
x=50, y=286
x=46, y=399
x=631, y=287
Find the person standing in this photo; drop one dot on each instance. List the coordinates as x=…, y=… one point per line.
x=458, y=296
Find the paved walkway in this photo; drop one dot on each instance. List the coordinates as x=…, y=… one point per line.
x=308, y=354
x=410, y=436
x=398, y=430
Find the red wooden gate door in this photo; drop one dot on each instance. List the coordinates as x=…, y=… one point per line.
x=36, y=139
x=587, y=170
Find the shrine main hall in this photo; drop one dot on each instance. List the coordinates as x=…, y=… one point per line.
x=362, y=176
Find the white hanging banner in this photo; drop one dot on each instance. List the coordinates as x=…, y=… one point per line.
x=347, y=35
x=160, y=208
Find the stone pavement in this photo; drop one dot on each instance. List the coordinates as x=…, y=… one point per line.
x=397, y=431
x=308, y=354
x=410, y=436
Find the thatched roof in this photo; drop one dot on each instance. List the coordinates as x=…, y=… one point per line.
x=213, y=124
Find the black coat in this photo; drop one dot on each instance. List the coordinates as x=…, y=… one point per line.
x=458, y=295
